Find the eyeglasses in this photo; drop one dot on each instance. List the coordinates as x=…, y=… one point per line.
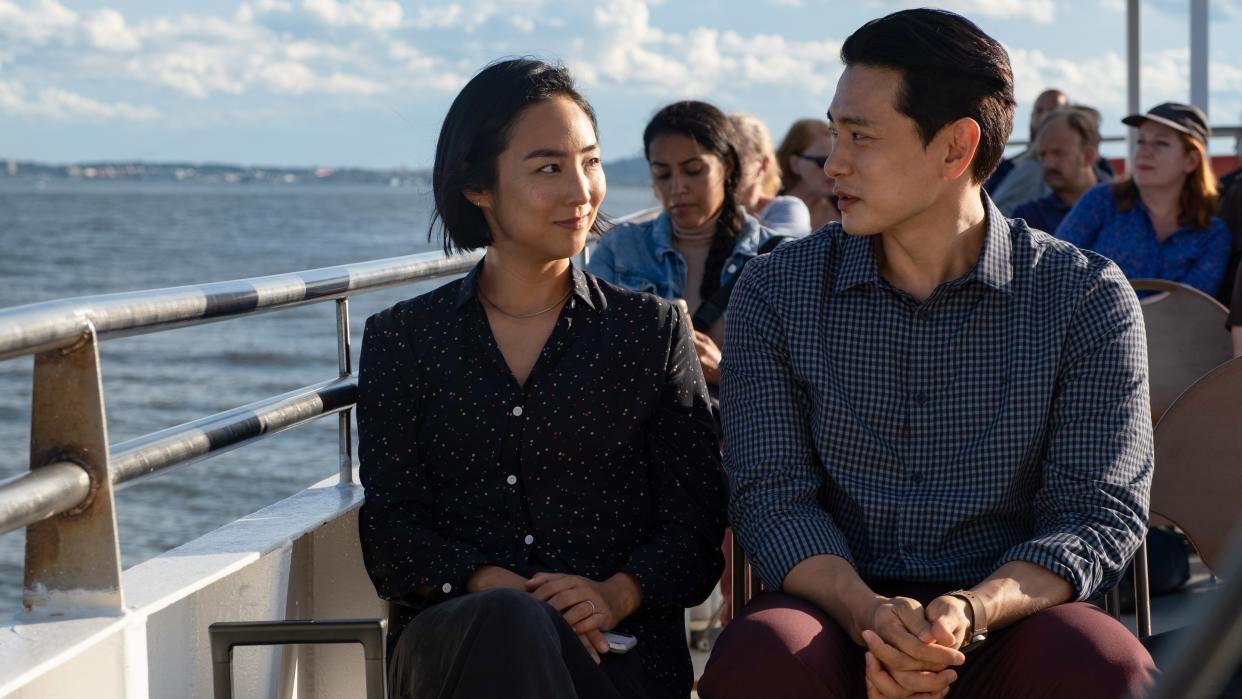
x=819, y=160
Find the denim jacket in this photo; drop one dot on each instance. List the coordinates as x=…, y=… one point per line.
x=641, y=256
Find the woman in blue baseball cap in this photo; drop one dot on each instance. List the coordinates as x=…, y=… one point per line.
x=1157, y=222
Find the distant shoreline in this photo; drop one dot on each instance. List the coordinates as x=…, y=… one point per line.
x=625, y=172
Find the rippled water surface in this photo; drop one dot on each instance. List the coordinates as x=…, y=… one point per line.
x=67, y=239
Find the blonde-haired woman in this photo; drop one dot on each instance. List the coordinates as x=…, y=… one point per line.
x=802, y=155
x=1159, y=221
x=759, y=180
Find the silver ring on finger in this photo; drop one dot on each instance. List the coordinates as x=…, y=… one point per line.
x=593, y=610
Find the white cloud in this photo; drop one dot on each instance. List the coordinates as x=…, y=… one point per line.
x=63, y=105
x=279, y=6
x=294, y=78
x=195, y=70
x=106, y=30
x=1098, y=81
x=418, y=68
x=769, y=59
x=204, y=28
x=275, y=53
x=305, y=50
x=287, y=77
x=378, y=15
x=626, y=49
x=44, y=21
x=441, y=17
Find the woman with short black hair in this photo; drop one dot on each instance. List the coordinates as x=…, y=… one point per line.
x=539, y=458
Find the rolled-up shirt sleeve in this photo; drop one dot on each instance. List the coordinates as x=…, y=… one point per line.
x=408, y=560
x=773, y=469
x=1091, y=511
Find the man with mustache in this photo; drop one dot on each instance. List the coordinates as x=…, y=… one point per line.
x=1016, y=179
x=937, y=430
x=1068, y=148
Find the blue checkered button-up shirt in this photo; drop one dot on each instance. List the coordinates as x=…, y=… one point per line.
x=1004, y=418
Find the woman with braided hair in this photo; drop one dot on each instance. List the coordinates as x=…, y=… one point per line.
x=698, y=245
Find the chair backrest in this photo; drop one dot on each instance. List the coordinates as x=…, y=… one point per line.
x=1186, y=338
x=1198, y=479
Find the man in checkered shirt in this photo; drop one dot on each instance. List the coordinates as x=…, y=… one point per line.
x=936, y=420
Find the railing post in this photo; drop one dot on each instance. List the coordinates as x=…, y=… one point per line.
x=344, y=368
x=73, y=560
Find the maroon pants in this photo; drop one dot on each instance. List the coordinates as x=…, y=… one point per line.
x=783, y=646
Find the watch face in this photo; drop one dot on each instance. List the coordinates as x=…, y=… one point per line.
x=973, y=642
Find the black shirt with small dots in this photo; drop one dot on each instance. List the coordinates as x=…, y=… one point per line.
x=604, y=461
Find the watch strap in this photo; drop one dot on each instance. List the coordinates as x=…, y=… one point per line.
x=979, y=618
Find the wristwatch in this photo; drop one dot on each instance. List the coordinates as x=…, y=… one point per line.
x=979, y=633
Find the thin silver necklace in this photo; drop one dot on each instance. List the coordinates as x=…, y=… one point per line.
x=519, y=316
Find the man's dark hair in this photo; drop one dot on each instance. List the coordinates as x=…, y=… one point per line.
x=950, y=69
x=476, y=131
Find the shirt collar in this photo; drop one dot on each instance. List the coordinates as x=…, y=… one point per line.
x=994, y=268
x=662, y=235
x=469, y=288
x=857, y=260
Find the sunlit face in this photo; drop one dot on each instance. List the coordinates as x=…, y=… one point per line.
x=749, y=189
x=884, y=174
x=1160, y=158
x=1065, y=159
x=549, y=182
x=809, y=167
x=688, y=179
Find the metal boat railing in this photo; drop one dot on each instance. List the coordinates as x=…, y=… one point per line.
x=1218, y=132
x=66, y=499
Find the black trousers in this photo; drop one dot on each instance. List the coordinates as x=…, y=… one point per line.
x=504, y=643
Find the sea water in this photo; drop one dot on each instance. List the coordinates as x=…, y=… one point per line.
x=76, y=238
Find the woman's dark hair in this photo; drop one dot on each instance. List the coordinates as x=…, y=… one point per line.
x=950, y=70
x=711, y=129
x=476, y=131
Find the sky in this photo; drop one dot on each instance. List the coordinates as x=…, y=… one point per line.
x=367, y=82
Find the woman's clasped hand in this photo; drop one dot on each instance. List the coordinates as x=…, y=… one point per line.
x=589, y=606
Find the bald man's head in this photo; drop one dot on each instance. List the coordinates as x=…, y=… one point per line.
x=1048, y=102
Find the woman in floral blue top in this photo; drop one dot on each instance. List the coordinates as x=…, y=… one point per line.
x=1158, y=222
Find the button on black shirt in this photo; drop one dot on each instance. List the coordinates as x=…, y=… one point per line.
x=604, y=462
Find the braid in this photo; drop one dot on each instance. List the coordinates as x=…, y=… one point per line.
x=728, y=225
